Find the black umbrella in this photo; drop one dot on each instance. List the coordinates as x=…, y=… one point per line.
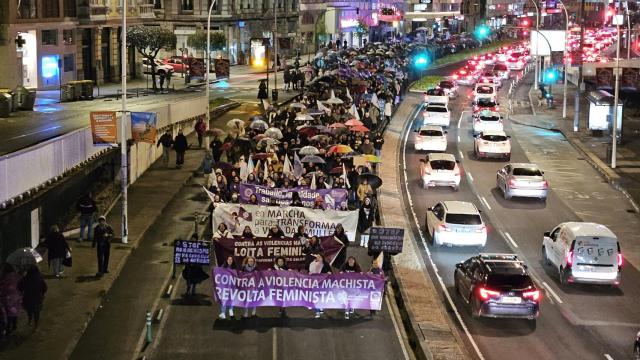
x=372, y=179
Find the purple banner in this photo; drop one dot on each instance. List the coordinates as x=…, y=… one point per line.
x=291, y=288
x=335, y=199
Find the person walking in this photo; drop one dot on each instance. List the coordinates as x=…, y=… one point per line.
x=200, y=128
x=229, y=263
x=319, y=266
x=262, y=91
x=180, y=145
x=311, y=249
x=87, y=208
x=194, y=275
x=102, y=236
x=340, y=235
x=351, y=266
x=161, y=76
x=366, y=217
x=10, y=296
x=207, y=169
x=378, y=141
x=249, y=265
x=167, y=141
x=375, y=269
x=364, y=190
x=33, y=287
x=57, y=249
x=287, y=78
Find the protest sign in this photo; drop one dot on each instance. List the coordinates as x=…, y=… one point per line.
x=143, y=126
x=388, y=240
x=332, y=198
x=266, y=250
x=103, y=127
x=260, y=218
x=291, y=288
x=191, y=252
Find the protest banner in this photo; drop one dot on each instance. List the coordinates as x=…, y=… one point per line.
x=104, y=129
x=191, y=252
x=388, y=240
x=291, y=288
x=332, y=198
x=260, y=218
x=266, y=250
x=143, y=126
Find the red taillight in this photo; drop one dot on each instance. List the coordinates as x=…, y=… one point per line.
x=497, y=108
x=620, y=260
x=533, y=295
x=443, y=227
x=545, y=184
x=486, y=294
x=513, y=182
x=570, y=258
x=482, y=229
x=455, y=76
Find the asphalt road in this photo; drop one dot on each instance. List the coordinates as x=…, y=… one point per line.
x=576, y=322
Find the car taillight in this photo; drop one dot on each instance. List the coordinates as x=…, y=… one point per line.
x=456, y=171
x=497, y=108
x=620, y=260
x=482, y=229
x=570, y=258
x=486, y=294
x=443, y=227
x=455, y=76
x=545, y=184
x=533, y=295
x=513, y=182
x=469, y=77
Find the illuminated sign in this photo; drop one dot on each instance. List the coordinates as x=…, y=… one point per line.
x=49, y=66
x=240, y=24
x=347, y=23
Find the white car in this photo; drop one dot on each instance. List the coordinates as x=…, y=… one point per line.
x=491, y=77
x=436, y=114
x=487, y=120
x=523, y=180
x=450, y=88
x=485, y=90
x=160, y=67
x=583, y=252
x=430, y=138
x=440, y=170
x=456, y=223
x=502, y=70
x=492, y=143
x=515, y=62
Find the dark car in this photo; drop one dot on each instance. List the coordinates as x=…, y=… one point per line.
x=498, y=286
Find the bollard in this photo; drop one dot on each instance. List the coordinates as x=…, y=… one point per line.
x=148, y=326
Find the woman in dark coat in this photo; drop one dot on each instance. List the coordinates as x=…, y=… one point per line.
x=366, y=215
x=33, y=288
x=311, y=249
x=194, y=275
x=57, y=248
x=262, y=91
x=341, y=236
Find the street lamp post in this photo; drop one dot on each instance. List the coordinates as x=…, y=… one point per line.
x=123, y=118
x=275, y=51
x=614, y=132
x=566, y=44
x=208, y=65
x=576, y=106
x=535, y=84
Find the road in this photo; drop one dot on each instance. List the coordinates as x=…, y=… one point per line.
x=577, y=322
x=51, y=118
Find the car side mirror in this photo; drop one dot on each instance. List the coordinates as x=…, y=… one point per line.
x=547, y=234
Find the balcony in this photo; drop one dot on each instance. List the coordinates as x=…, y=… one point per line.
x=145, y=11
x=93, y=11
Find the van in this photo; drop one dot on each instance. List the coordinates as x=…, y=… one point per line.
x=583, y=252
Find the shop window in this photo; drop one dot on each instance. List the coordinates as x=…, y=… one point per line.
x=49, y=37
x=68, y=37
x=27, y=9
x=50, y=9
x=69, y=62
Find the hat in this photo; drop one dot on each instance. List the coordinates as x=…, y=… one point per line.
x=102, y=217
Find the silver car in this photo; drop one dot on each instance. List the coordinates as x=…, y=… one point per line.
x=521, y=179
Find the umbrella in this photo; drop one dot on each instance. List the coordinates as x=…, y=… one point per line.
x=372, y=179
x=309, y=150
x=359, y=128
x=315, y=112
x=235, y=123
x=259, y=137
x=340, y=149
x=337, y=125
x=372, y=159
x=308, y=131
x=260, y=156
x=24, y=257
x=354, y=122
x=223, y=166
x=336, y=170
x=274, y=133
x=298, y=105
x=319, y=138
x=214, y=132
x=303, y=117
x=258, y=125
x=268, y=141
x=334, y=101
x=314, y=159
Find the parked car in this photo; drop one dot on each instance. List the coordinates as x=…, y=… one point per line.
x=177, y=64
x=160, y=67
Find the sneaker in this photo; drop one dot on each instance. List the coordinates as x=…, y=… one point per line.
x=346, y=315
x=317, y=315
x=253, y=312
x=222, y=316
x=231, y=312
x=246, y=314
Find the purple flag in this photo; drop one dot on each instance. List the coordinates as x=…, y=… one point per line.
x=290, y=288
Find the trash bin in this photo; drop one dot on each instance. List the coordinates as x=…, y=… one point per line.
x=67, y=92
x=5, y=104
x=24, y=98
x=77, y=89
x=87, y=89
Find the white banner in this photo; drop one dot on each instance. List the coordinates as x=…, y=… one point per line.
x=261, y=218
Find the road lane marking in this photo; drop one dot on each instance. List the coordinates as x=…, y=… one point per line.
x=506, y=234
x=485, y=202
x=553, y=294
x=458, y=138
x=274, y=354
x=396, y=327
x=608, y=357
x=461, y=155
x=460, y=120
x=433, y=264
x=470, y=177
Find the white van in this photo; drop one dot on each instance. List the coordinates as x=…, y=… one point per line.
x=583, y=253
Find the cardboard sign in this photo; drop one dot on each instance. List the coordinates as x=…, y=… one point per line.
x=104, y=128
x=191, y=252
x=388, y=240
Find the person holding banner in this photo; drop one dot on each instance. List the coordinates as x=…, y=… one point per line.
x=229, y=263
x=319, y=266
x=221, y=232
x=351, y=266
x=275, y=232
x=281, y=264
x=301, y=235
x=247, y=233
x=249, y=265
x=312, y=249
x=341, y=237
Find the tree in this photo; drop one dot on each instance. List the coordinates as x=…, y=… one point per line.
x=198, y=40
x=149, y=40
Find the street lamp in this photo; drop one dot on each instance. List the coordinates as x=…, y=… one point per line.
x=566, y=44
x=535, y=84
x=208, y=65
x=123, y=128
x=618, y=19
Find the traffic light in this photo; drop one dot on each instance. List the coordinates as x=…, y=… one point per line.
x=482, y=32
x=421, y=60
x=550, y=76
x=525, y=23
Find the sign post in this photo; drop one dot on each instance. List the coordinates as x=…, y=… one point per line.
x=389, y=240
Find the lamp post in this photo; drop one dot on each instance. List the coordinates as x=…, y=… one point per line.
x=208, y=65
x=566, y=44
x=535, y=84
x=275, y=52
x=576, y=106
x=614, y=133
x=123, y=118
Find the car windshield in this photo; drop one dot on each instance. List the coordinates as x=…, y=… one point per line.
x=485, y=102
x=513, y=281
x=436, y=109
x=494, y=138
x=430, y=133
x=446, y=84
x=463, y=219
x=489, y=118
x=485, y=90
x=500, y=67
x=527, y=172
x=442, y=164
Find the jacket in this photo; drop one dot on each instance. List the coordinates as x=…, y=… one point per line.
x=86, y=206
x=180, y=144
x=166, y=140
x=102, y=234
x=363, y=191
x=56, y=245
x=200, y=127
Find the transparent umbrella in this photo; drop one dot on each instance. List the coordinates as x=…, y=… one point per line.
x=309, y=150
x=274, y=133
x=25, y=256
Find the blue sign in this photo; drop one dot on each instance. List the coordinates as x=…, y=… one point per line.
x=240, y=24
x=49, y=66
x=191, y=252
